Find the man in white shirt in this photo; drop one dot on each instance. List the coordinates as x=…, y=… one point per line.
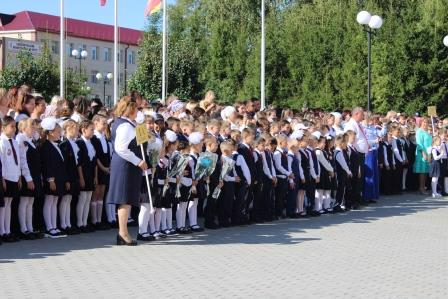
x=361, y=143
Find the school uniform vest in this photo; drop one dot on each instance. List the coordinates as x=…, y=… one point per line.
x=87, y=165
x=340, y=172
x=103, y=157
x=161, y=172
x=389, y=153
x=71, y=166
x=34, y=162
x=259, y=167
x=214, y=177
x=295, y=167
x=354, y=161
x=268, y=156
x=249, y=158
x=315, y=162
x=238, y=169
x=400, y=150
x=323, y=170
x=284, y=163
x=305, y=162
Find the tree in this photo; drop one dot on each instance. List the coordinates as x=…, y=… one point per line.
x=41, y=73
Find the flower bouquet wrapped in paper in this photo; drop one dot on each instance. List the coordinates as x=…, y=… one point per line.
x=205, y=166
x=179, y=162
x=153, y=150
x=227, y=166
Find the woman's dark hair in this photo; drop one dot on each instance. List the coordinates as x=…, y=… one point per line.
x=67, y=111
x=95, y=109
x=25, y=100
x=81, y=105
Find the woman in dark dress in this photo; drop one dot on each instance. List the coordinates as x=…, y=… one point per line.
x=126, y=167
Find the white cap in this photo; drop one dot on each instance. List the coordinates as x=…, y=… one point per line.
x=300, y=126
x=195, y=138
x=297, y=135
x=49, y=123
x=336, y=114
x=317, y=134
x=170, y=136
x=227, y=111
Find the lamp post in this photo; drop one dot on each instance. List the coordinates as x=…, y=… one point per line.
x=107, y=78
x=80, y=55
x=370, y=23
x=445, y=41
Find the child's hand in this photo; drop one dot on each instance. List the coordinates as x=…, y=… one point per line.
x=52, y=186
x=237, y=179
x=82, y=183
x=67, y=186
x=30, y=185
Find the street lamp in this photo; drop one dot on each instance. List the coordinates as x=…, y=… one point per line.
x=107, y=78
x=370, y=23
x=80, y=55
x=445, y=41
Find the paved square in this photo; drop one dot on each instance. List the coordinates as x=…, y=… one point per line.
x=395, y=249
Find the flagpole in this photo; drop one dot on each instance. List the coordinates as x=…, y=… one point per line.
x=263, y=60
x=164, y=53
x=116, y=52
x=62, y=52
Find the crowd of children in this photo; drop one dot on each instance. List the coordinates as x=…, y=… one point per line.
x=270, y=164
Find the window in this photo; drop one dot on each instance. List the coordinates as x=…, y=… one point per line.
x=55, y=47
x=120, y=56
x=95, y=52
x=107, y=54
x=108, y=101
x=121, y=78
x=93, y=78
x=131, y=57
x=70, y=48
x=84, y=47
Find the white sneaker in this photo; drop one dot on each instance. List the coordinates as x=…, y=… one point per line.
x=436, y=195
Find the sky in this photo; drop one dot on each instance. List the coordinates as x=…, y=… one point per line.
x=130, y=12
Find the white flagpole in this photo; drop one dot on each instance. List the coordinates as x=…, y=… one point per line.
x=263, y=49
x=116, y=53
x=164, y=53
x=62, y=52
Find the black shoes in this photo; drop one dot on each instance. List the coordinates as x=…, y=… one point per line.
x=9, y=238
x=145, y=237
x=122, y=242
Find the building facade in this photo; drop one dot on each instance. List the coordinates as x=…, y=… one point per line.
x=32, y=31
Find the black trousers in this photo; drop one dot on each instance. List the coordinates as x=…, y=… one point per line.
x=353, y=193
x=225, y=203
x=310, y=192
x=362, y=166
x=267, y=199
x=397, y=182
x=239, y=205
x=341, y=186
x=257, y=212
x=281, y=191
x=210, y=207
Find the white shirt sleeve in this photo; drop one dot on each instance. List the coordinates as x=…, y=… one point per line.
x=436, y=156
x=266, y=170
x=323, y=161
x=386, y=161
x=278, y=164
x=240, y=162
x=24, y=163
x=124, y=135
x=396, y=151
x=312, y=172
x=341, y=160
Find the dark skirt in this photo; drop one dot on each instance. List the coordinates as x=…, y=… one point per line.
x=125, y=182
x=184, y=193
x=36, y=193
x=2, y=196
x=434, y=169
x=103, y=177
x=12, y=189
x=324, y=180
x=144, y=198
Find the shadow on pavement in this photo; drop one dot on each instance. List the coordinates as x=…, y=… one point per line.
x=282, y=232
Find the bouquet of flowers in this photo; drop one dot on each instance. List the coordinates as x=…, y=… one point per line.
x=179, y=163
x=153, y=150
x=205, y=166
x=227, y=166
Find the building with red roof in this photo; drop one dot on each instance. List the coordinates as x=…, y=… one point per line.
x=32, y=30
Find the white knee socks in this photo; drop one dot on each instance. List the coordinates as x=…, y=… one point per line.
x=5, y=217
x=50, y=211
x=64, y=211
x=300, y=201
x=26, y=214
x=157, y=219
x=152, y=227
x=318, y=200
x=434, y=181
x=82, y=208
x=99, y=211
x=193, y=212
x=163, y=219
x=169, y=218
x=405, y=174
x=327, y=199
x=181, y=214
x=143, y=218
